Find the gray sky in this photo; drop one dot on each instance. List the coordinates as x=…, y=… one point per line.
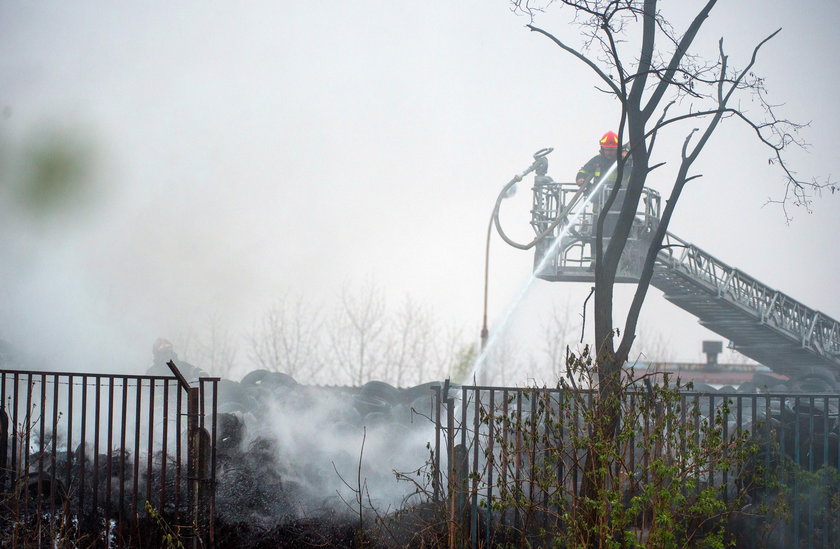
x=239, y=153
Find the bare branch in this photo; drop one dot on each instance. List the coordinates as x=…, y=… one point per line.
x=580, y=56
x=658, y=123
x=583, y=314
x=683, y=46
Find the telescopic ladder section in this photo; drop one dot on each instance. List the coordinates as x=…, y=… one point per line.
x=761, y=323
x=764, y=324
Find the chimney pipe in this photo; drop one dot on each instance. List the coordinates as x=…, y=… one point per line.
x=712, y=350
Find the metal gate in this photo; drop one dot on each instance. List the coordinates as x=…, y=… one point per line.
x=491, y=441
x=107, y=458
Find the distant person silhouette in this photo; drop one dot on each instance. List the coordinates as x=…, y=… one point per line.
x=162, y=352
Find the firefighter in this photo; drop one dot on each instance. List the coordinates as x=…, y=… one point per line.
x=590, y=175
x=592, y=170
x=162, y=352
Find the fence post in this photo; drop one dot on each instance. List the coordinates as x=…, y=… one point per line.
x=194, y=464
x=198, y=446
x=199, y=457
x=450, y=473
x=461, y=474
x=4, y=441
x=457, y=482
x=436, y=474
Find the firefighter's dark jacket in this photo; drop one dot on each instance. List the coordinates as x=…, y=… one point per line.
x=593, y=169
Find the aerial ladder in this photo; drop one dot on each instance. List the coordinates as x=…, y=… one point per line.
x=760, y=322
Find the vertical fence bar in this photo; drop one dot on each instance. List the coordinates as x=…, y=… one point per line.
x=15, y=465
x=632, y=441
x=451, y=477
x=798, y=464
x=464, y=403
x=725, y=470
x=517, y=456
x=474, y=467
x=810, y=509
x=80, y=459
x=213, y=465
x=135, y=475
x=164, y=445
x=769, y=435
x=712, y=419
x=561, y=462
x=436, y=477
x=178, y=442
x=576, y=399
x=547, y=408
x=826, y=429
x=837, y=424
x=28, y=432
x=836, y=532
x=531, y=454
x=753, y=433
x=504, y=457
x=739, y=419
x=42, y=448
x=697, y=412
x=193, y=461
x=97, y=405
x=201, y=404
x=4, y=433
x=459, y=459
x=491, y=463
x=646, y=411
x=53, y=446
x=109, y=459
x=69, y=468
x=123, y=450
x=657, y=428
x=151, y=444
x=826, y=526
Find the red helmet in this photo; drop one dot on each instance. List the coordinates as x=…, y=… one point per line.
x=609, y=141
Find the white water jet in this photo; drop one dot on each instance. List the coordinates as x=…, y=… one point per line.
x=501, y=326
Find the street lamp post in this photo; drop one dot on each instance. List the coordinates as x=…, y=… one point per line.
x=508, y=191
x=485, y=333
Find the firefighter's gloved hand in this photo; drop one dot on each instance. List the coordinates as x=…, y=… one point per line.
x=581, y=181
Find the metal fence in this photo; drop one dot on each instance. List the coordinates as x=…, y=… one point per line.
x=111, y=454
x=507, y=461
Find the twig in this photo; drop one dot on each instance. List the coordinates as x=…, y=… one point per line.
x=585, y=301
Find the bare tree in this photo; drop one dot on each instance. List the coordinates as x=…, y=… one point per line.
x=653, y=346
x=356, y=332
x=361, y=339
x=286, y=339
x=215, y=351
x=448, y=353
x=557, y=331
x=659, y=83
x=410, y=343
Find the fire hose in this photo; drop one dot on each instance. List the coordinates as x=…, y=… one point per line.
x=506, y=191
